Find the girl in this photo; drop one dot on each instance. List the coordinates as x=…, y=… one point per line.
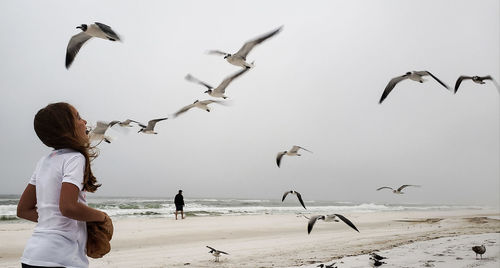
x=55, y=196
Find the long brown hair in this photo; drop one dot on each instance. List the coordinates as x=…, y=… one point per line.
x=55, y=126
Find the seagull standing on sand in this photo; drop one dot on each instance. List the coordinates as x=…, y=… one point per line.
x=219, y=91
x=376, y=256
x=149, y=129
x=76, y=42
x=295, y=193
x=475, y=79
x=239, y=59
x=98, y=133
x=198, y=104
x=291, y=152
x=329, y=218
x=376, y=263
x=479, y=250
x=399, y=190
x=415, y=76
x=327, y=266
x=216, y=253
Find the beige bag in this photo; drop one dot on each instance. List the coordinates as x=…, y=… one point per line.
x=98, y=236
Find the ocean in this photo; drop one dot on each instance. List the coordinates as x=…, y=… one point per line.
x=199, y=207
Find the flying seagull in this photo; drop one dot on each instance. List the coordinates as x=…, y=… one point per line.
x=291, y=152
x=125, y=123
x=479, y=250
x=475, y=79
x=239, y=59
x=98, y=132
x=76, y=42
x=198, y=104
x=329, y=218
x=149, y=129
x=415, y=76
x=295, y=193
x=216, y=253
x=219, y=91
x=399, y=190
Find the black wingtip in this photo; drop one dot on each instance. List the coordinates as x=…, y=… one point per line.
x=68, y=62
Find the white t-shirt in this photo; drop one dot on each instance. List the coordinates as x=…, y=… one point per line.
x=57, y=240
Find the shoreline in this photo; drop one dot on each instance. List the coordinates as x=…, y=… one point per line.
x=262, y=240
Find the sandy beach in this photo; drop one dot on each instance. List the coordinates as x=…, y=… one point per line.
x=282, y=240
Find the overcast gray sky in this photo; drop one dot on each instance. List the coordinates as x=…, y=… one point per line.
x=316, y=84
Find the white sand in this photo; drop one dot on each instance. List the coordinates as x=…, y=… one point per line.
x=455, y=251
x=276, y=240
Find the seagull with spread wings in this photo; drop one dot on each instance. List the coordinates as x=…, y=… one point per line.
x=292, y=152
x=76, y=42
x=149, y=129
x=240, y=57
x=399, y=190
x=98, y=132
x=415, y=76
x=125, y=123
x=329, y=218
x=476, y=79
x=219, y=91
x=295, y=193
x=216, y=253
x=198, y=104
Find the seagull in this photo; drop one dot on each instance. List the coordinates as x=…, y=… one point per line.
x=239, y=59
x=216, y=253
x=327, y=266
x=198, y=104
x=415, y=76
x=475, y=79
x=377, y=257
x=149, y=129
x=76, y=42
x=399, y=190
x=329, y=218
x=125, y=123
x=295, y=193
x=291, y=152
x=219, y=91
x=376, y=263
x=98, y=133
x=479, y=250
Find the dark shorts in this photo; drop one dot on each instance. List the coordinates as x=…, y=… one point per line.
x=179, y=207
x=23, y=265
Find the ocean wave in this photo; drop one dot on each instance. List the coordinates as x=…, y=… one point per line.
x=199, y=207
x=8, y=218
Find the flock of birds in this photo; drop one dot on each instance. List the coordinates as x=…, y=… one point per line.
x=98, y=132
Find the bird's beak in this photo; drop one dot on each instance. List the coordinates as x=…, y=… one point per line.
x=79, y=27
x=206, y=91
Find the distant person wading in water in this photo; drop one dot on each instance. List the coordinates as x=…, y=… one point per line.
x=179, y=204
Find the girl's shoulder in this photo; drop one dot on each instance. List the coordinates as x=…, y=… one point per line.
x=64, y=155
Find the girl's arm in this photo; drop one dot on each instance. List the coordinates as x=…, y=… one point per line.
x=71, y=208
x=26, y=208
